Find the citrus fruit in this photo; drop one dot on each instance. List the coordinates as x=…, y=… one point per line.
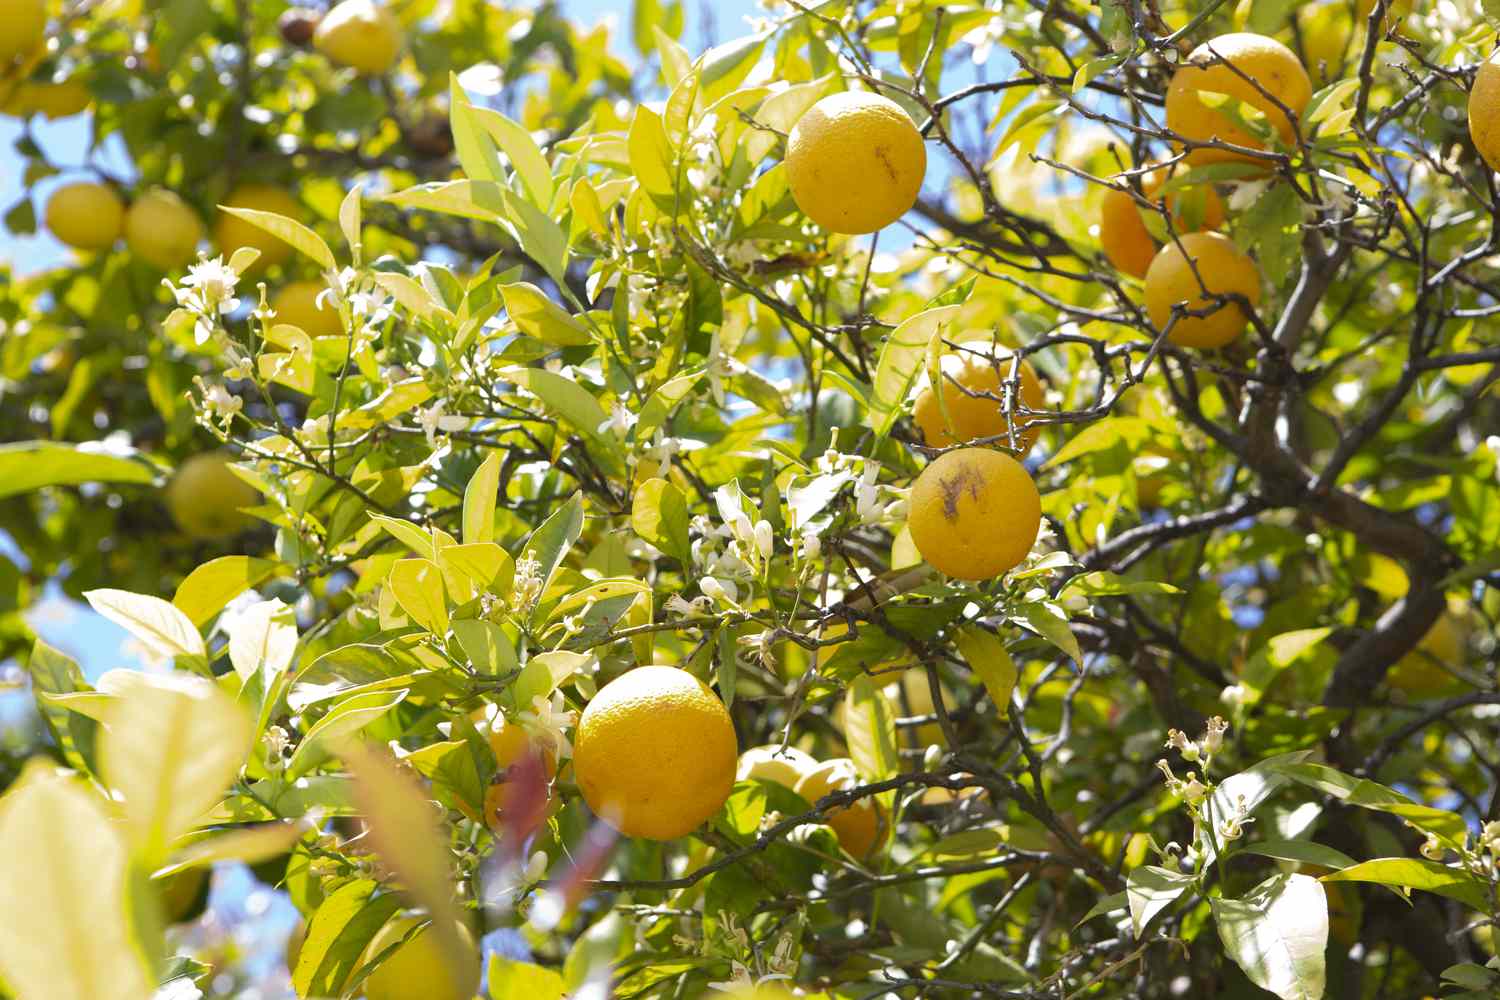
x=205, y=497
x=974, y=513
x=360, y=34
x=23, y=26
x=1273, y=67
x=1425, y=671
x=783, y=766
x=655, y=753
x=51, y=100
x=855, y=162
x=860, y=826
x=419, y=967
x=298, y=305
x=163, y=230
x=1484, y=111
x=85, y=215
x=1123, y=235
x=975, y=384
x=913, y=694
x=231, y=233
x=1224, y=270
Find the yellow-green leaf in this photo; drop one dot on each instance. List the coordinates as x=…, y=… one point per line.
x=288, y=231
x=986, y=655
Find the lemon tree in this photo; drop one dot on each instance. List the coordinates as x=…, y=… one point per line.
x=928, y=500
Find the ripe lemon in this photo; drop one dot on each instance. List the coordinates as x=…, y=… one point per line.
x=1325, y=31
x=1123, y=235
x=655, y=753
x=231, y=233
x=360, y=34
x=974, y=513
x=1423, y=672
x=1484, y=111
x=23, y=26
x=1223, y=269
x=86, y=215
x=861, y=826
x=510, y=743
x=205, y=497
x=783, y=766
x=48, y=99
x=163, y=230
x=1272, y=66
x=419, y=968
x=298, y=305
x=855, y=162
x=984, y=372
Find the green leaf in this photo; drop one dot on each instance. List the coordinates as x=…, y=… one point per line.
x=1107, y=433
x=659, y=514
x=550, y=543
x=1102, y=584
x=522, y=151
x=63, y=892
x=172, y=747
x=1277, y=934
x=54, y=673
x=1447, y=826
x=471, y=141
x=663, y=401
x=31, y=465
x=488, y=648
x=1419, y=873
x=288, y=231
x=575, y=404
x=406, y=533
x=417, y=585
x=538, y=316
x=870, y=730
x=161, y=627
x=345, y=719
x=901, y=359
x=1047, y=619
x=1151, y=889
x=1302, y=851
x=509, y=978
x=484, y=564
x=479, y=500
x=986, y=655
x=652, y=158
x=205, y=591
x=337, y=935
x=545, y=672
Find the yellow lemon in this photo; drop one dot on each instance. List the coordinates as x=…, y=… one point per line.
x=1123, y=235
x=163, y=230
x=655, y=753
x=51, y=100
x=976, y=382
x=298, y=305
x=360, y=34
x=1424, y=673
x=23, y=26
x=861, y=826
x=855, y=162
x=419, y=968
x=783, y=766
x=1484, y=111
x=974, y=513
x=1224, y=270
x=231, y=233
x=86, y=215
x=205, y=497
x=1273, y=67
